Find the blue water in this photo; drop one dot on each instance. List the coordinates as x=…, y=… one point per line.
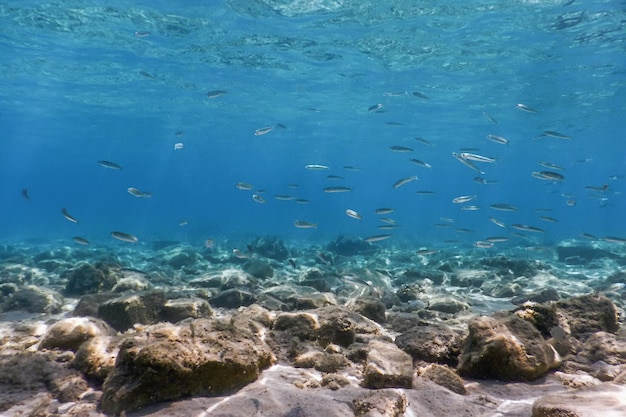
x=78, y=85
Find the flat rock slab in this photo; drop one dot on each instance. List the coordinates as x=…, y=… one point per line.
x=387, y=366
x=607, y=400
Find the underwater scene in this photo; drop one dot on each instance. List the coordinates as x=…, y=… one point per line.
x=302, y=208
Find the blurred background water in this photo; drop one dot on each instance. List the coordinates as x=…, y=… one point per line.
x=81, y=81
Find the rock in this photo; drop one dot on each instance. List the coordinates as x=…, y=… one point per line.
x=606, y=347
x=582, y=255
x=35, y=300
x=134, y=284
x=330, y=362
x=470, y=278
x=89, y=304
x=314, y=277
x=384, y=403
x=167, y=362
x=606, y=400
x=183, y=308
x=259, y=268
x=334, y=381
x=543, y=316
x=371, y=308
x=506, y=348
x=447, y=304
x=507, y=290
x=300, y=298
x=350, y=247
x=233, y=298
x=387, y=366
x=225, y=280
x=90, y=279
x=445, y=377
x=123, y=312
x=270, y=247
x=504, y=266
x=96, y=357
x=432, y=343
x=542, y=295
x=180, y=257
x=301, y=325
x=589, y=314
x=70, y=333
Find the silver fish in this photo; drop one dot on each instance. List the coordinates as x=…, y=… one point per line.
x=551, y=165
x=498, y=139
x=403, y=181
x=483, y=244
x=124, y=237
x=547, y=175
x=384, y=210
x=525, y=108
x=258, y=198
x=375, y=108
x=424, y=142
x=68, y=216
x=467, y=163
x=491, y=119
x=463, y=199
x=470, y=208
x=80, y=240
x=283, y=197
x=316, y=167
x=109, y=164
x=497, y=222
x=527, y=228
x=215, y=93
x=301, y=224
x=354, y=214
x=244, y=186
x=337, y=189
x=137, y=193
x=477, y=158
x=497, y=239
x=548, y=219
x=263, y=130
x=503, y=207
x=377, y=238
x=397, y=148
x=557, y=135
x=421, y=163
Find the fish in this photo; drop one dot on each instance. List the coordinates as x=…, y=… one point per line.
x=424, y=142
x=525, y=108
x=420, y=95
x=403, y=181
x=483, y=244
x=68, y=216
x=183, y=223
x=548, y=219
x=467, y=163
x=463, y=199
x=588, y=236
x=25, y=194
x=239, y=254
x=301, y=201
x=463, y=230
x=470, y=208
x=396, y=94
x=484, y=181
x=301, y=224
x=334, y=177
x=292, y=185
x=551, y=165
x=497, y=239
x=388, y=226
x=258, y=198
x=215, y=93
x=142, y=33
x=263, y=130
x=376, y=238
x=353, y=214
x=179, y=133
x=283, y=197
x=503, y=207
x=554, y=134
x=80, y=240
x=527, y=228
x=375, y=107
x=604, y=188
x=337, y=189
x=397, y=148
x=498, y=139
x=497, y=222
x=244, y=186
x=395, y=124
x=571, y=202
x=387, y=220
x=426, y=252
x=137, y=193
x=547, y=175
x=425, y=192
x=384, y=210
x=478, y=158
x=316, y=167
x=124, y=237
x=178, y=146
x=351, y=168
x=447, y=219
x=109, y=164
x=491, y=119
x=421, y=163
x=209, y=243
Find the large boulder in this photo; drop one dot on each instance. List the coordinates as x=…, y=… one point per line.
x=201, y=357
x=89, y=279
x=432, y=343
x=506, y=348
x=123, y=312
x=70, y=333
x=588, y=314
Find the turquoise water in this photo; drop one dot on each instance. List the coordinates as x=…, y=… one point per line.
x=81, y=82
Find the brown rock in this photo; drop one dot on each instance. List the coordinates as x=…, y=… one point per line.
x=384, y=403
x=96, y=357
x=125, y=311
x=506, y=348
x=70, y=333
x=302, y=325
x=444, y=376
x=588, y=314
x=387, y=367
x=166, y=362
x=184, y=308
x=606, y=347
x=432, y=343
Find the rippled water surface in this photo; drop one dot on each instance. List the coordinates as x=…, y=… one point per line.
x=174, y=94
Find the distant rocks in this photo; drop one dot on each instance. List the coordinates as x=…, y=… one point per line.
x=35, y=299
x=350, y=247
x=90, y=279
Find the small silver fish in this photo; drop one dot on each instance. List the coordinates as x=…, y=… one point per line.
x=424, y=142
x=354, y=214
x=124, y=237
x=421, y=163
x=483, y=244
x=503, y=207
x=497, y=222
x=337, y=189
x=478, y=158
x=547, y=175
x=258, y=198
x=467, y=163
x=384, y=210
x=404, y=181
x=301, y=224
x=137, y=193
x=263, y=130
x=498, y=139
x=397, y=148
x=244, y=186
x=215, y=93
x=80, y=240
x=68, y=216
x=109, y=164
x=377, y=238
x=375, y=108
x=463, y=199
x=316, y=167
x=527, y=228
x=557, y=135
x=525, y=108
